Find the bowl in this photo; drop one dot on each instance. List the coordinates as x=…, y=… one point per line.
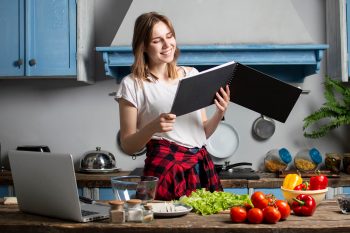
x=134, y=187
x=318, y=195
x=343, y=201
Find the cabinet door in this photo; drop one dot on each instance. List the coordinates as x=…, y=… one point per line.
x=12, y=38
x=50, y=37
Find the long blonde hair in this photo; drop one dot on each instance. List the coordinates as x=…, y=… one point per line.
x=142, y=38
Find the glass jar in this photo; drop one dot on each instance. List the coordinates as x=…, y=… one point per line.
x=134, y=210
x=277, y=160
x=307, y=159
x=117, y=213
x=346, y=163
x=332, y=162
x=148, y=213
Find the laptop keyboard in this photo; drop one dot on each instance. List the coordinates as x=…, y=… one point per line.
x=87, y=212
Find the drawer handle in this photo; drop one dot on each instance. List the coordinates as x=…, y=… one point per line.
x=19, y=62
x=32, y=62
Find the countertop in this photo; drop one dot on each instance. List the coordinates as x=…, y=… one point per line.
x=267, y=180
x=327, y=219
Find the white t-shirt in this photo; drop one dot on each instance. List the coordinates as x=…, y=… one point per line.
x=157, y=97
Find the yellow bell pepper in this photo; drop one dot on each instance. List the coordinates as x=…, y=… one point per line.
x=292, y=180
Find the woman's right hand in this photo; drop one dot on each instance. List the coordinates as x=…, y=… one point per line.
x=164, y=123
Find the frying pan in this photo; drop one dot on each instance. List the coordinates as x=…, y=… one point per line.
x=263, y=127
x=220, y=168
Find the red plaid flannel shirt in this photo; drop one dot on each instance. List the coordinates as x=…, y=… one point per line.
x=179, y=170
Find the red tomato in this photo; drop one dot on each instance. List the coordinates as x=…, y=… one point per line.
x=259, y=200
x=283, y=208
x=238, y=214
x=271, y=214
x=255, y=215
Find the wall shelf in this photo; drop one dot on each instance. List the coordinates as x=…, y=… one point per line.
x=290, y=63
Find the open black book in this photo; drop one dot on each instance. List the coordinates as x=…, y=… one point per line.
x=249, y=88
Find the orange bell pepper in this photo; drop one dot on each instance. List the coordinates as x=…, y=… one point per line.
x=292, y=180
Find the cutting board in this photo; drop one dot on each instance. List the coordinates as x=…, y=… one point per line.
x=327, y=173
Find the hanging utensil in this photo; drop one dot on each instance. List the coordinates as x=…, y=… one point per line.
x=263, y=127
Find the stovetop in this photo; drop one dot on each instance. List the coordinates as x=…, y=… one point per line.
x=239, y=173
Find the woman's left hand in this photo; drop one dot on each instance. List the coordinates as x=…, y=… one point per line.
x=222, y=100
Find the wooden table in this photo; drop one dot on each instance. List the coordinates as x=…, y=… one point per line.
x=327, y=219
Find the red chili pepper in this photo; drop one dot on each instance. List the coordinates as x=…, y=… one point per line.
x=304, y=205
x=303, y=186
x=318, y=182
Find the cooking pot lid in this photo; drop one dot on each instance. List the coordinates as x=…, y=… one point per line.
x=223, y=142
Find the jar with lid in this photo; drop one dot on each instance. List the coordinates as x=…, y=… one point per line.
x=277, y=160
x=307, y=159
x=148, y=215
x=332, y=162
x=346, y=163
x=134, y=210
x=117, y=213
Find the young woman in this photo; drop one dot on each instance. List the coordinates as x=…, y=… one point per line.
x=176, y=152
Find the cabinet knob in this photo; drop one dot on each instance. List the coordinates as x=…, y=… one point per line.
x=19, y=62
x=32, y=62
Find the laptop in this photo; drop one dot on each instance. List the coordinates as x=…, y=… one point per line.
x=45, y=184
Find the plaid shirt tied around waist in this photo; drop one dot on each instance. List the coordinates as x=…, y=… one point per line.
x=180, y=170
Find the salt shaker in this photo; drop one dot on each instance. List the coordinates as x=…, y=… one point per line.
x=117, y=213
x=134, y=210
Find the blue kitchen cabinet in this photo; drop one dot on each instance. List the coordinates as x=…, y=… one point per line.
x=38, y=37
x=12, y=37
x=106, y=194
x=3, y=191
x=239, y=191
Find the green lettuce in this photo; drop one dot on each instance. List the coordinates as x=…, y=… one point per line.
x=205, y=202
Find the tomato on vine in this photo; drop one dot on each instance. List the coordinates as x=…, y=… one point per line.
x=255, y=215
x=261, y=200
x=271, y=214
x=238, y=214
x=283, y=208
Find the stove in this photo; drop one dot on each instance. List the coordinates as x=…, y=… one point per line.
x=239, y=173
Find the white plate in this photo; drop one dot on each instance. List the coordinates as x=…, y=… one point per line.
x=180, y=209
x=223, y=142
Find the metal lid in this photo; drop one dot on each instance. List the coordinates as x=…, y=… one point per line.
x=98, y=160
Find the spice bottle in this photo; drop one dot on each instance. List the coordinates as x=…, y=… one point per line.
x=277, y=160
x=307, y=159
x=346, y=163
x=332, y=162
x=117, y=213
x=148, y=213
x=134, y=210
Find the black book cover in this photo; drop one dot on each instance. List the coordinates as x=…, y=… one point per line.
x=249, y=88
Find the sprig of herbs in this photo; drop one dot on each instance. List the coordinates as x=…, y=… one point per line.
x=334, y=112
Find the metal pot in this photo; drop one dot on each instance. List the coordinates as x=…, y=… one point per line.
x=97, y=160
